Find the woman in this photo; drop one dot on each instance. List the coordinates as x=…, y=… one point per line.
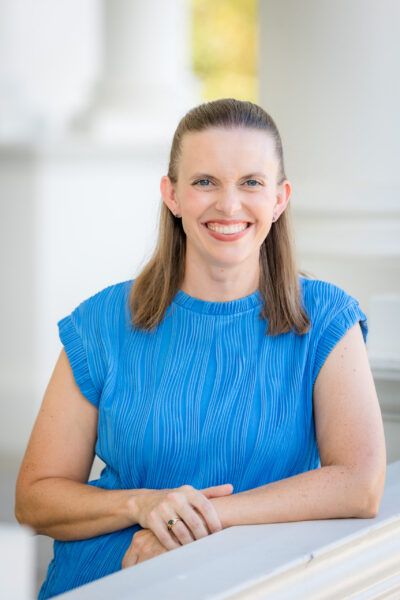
x=220, y=387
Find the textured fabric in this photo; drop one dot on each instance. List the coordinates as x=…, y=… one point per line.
x=207, y=398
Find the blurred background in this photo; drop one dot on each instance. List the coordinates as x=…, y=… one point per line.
x=90, y=96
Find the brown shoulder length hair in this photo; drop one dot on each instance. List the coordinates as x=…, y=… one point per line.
x=158, y=282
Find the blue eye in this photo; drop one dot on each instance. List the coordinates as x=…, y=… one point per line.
x=200, y=181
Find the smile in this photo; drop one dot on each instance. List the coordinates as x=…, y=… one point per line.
x=234, y=228
x=227, y=233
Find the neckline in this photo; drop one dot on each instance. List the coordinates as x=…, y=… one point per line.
x=230, y=307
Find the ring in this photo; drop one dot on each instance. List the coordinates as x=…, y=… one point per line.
x=171, y=523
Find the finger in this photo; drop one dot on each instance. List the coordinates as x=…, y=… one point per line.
x=192, y=527
x=208, y=512
x=183, y=531
x=177, y=503
x=160, y=529
x=217, y=490
x=157, y=524
x=196, y=510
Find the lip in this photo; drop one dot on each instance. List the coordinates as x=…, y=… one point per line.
x=227, y=237
x=226, y=222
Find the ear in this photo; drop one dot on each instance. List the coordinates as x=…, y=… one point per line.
x=167, y=190
x=283, y=193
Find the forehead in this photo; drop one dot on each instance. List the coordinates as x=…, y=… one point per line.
x=225, y=149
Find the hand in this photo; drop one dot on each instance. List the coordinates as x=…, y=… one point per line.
x=144, y=545
x=198, y=515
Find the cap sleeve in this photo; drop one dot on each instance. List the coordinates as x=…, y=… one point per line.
x=85, y=335
x=77, y=354
x=342, y=313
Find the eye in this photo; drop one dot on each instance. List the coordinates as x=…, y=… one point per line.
x=254, y=181
x=200, y=180
x=206, y=182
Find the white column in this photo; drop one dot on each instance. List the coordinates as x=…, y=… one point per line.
x=146, y=79
x=48, y=60
x=16, y=119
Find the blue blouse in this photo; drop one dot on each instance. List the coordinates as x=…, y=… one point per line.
x=206, y=398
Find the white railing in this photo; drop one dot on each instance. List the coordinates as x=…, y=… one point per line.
x=306, y=560
x=332, y=559
x=17, y=562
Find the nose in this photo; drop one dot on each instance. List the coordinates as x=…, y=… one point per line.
x=228, y=201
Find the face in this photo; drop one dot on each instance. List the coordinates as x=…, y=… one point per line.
x=226, y=176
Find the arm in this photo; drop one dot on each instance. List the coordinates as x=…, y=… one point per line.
x=352, y=449
x=51, y=494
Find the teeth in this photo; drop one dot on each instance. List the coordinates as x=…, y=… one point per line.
x=227, y=228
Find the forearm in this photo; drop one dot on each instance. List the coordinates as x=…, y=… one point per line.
x=69, y=510
x=330, y=492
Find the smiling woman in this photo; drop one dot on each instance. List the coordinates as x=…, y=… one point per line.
x=220, y=368
x=218, y=149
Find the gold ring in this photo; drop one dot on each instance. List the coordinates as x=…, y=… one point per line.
x=171, y=523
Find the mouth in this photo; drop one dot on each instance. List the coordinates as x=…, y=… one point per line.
x=227, y=233
x=233, y=223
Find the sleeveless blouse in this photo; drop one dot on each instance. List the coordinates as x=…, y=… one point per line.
x=206, y=398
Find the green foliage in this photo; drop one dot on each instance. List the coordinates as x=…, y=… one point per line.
x=225, y=48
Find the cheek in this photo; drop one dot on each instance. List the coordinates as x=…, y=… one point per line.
x=195, y=203
x=191, y=199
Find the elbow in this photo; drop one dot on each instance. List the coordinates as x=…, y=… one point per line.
x=18, y=508
x=369, y=511
x=23, y=519
x=21, y=510
x=375, y=498
x=371, y=495
x=18, y=516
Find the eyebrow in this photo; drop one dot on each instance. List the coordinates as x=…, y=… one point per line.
x=206, y=175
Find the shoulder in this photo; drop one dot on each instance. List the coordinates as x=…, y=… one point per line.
x=331, y=308
x=324, y=299
x=91, y=335
x=107, y=299
x=108, y=295
x=102, y=310
x=332, y=312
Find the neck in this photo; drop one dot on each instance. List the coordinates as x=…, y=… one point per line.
x=220, y=283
